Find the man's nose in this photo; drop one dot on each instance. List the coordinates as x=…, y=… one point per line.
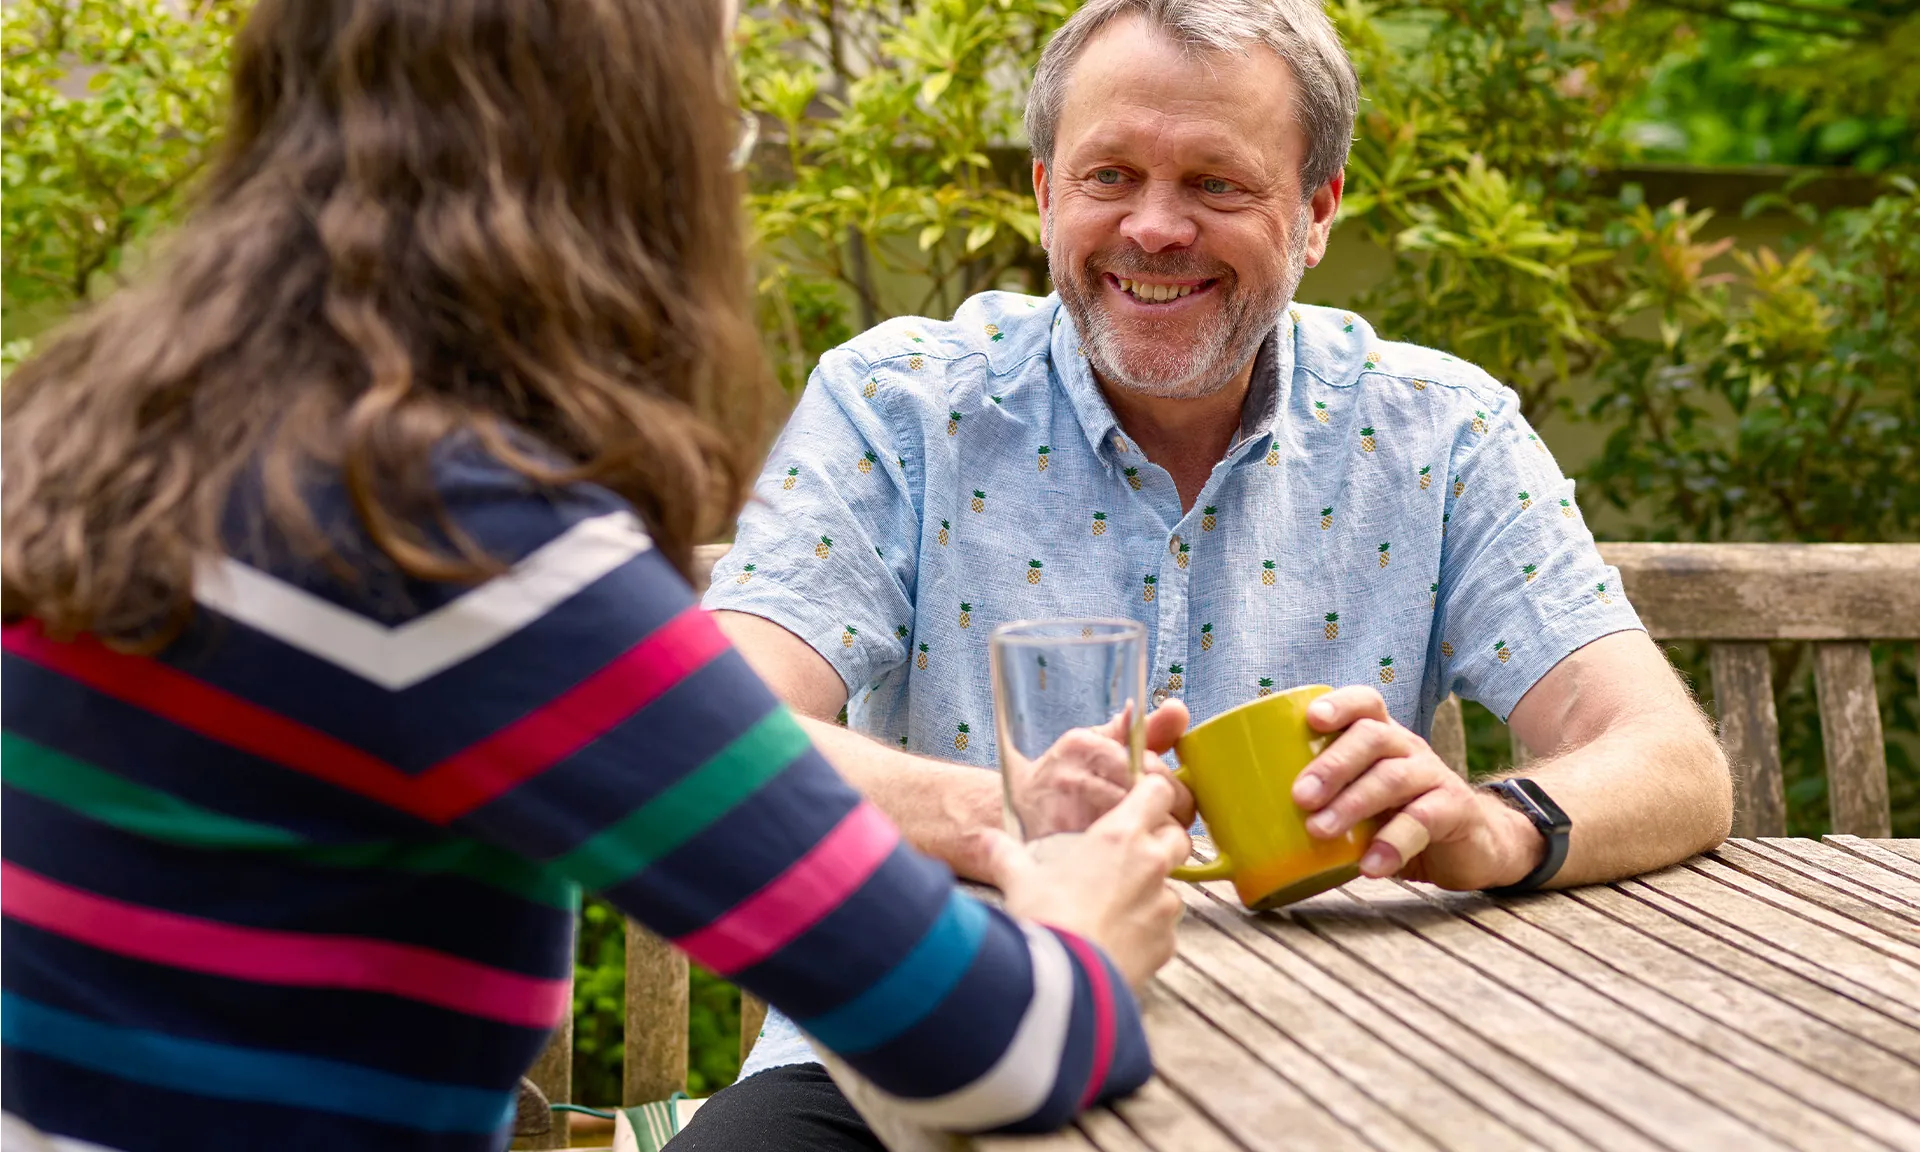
x=1160, y=220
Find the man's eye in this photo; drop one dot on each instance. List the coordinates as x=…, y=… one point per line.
x=1107, y=175
x=1216, y=186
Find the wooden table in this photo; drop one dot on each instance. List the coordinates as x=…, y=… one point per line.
x=1764, y=996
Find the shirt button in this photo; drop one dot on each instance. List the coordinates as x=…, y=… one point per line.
x=1159, y=697
x=1173, y=544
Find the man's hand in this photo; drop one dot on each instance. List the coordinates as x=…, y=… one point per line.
x=1084, y=773
x=1433, y=825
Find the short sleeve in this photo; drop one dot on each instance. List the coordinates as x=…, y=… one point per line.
x=828, y=545
x=1522, y=585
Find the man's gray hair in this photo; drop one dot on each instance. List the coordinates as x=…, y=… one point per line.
x=1297, y=31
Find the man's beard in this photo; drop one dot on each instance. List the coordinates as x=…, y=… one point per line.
x=1180, y=369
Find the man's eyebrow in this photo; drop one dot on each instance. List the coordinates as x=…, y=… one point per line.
x=1213, y=158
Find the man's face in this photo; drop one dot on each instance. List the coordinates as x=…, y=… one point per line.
x=1175, y=227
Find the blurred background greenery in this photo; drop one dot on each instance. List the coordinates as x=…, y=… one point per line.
x=1686, y=231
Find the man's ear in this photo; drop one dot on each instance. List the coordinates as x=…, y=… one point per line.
x=1042, y=196
x=1321, y=211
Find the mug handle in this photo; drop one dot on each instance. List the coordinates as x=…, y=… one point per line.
x=1219, y=868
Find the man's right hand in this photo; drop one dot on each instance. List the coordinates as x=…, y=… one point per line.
x=1108, y=885
x=1085, y=774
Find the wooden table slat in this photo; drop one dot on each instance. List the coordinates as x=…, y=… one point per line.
x=1814, y=1062
x=1872, y=925
x=1402, y=1026
x=1659, y=917
x=1165, y=1122
x=1765, y=996
x=1512, y=1021
x=1233, y=1088
x=1353, y=1042
x=1876, y=852
x=1778, y=939
x=1861, y=879
x=1380, y=1128
x=1559, y=980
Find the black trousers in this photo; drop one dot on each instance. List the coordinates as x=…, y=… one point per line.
x=795, y=1108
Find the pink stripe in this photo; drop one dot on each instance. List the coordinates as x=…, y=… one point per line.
x=266, y=956
x=798, y=898
x=1096, y=969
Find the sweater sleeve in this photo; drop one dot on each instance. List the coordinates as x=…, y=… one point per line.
x=610, y=732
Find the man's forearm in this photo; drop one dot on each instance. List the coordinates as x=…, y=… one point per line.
x=1641, y=796
x=940, y=808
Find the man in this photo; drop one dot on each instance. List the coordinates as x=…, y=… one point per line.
x=1279, y=493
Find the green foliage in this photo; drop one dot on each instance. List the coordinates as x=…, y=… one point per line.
x=110, y=108
x=879, y=178
x=599, y=1017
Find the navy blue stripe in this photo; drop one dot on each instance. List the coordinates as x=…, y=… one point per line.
x=249, y=1074
x=631, y=764
x=258, y=889
x=76, y=721
x=66, y=1100
x=740, y=853
x=391, y=1033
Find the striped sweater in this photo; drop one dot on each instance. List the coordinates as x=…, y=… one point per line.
x=309, y=876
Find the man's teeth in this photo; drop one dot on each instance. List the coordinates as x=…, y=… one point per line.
x=1154, y=293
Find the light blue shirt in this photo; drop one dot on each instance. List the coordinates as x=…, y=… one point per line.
x=1385, y=516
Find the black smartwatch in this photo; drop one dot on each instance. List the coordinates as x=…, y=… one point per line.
x=1532, y=801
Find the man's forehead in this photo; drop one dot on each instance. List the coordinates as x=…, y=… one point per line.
x=1134, y=85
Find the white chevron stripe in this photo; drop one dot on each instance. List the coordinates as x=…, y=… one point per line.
x=16, y=1135
x=1018, y=1083
x=401, y=657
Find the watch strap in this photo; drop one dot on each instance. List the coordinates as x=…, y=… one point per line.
x=1531, y=801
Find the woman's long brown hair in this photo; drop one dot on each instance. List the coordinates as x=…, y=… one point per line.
x=509, y=219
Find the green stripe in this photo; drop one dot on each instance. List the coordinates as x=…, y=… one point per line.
x=690, y=805
x=135, y=808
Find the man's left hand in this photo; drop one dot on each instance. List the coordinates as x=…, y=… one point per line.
x=1432, y=825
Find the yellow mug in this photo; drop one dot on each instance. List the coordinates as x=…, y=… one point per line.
x=1241, y=766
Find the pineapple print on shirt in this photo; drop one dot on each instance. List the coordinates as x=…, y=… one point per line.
x=792, y=478
x=846, y=637
x=1386, y=669
x=960, y=739
x=1033, y=571
x=1332, y=629
x=1206, y=637
x=946, y=533
x=1265, y=686
x=1174, y=680
x=1386, y=554
x=966, y=614
x=979, y=501
x=824, y=548
x=1148, y=591
x=920, y=661
x=1099, y=523
x=866, y=463
x=1133, y=477
x=1043, y=453
x=1426, y=477
x=1209, y=518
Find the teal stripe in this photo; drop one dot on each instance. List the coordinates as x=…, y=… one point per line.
x=916, y=986
x=118, y=802
x=225, y=1072
x=690, y=805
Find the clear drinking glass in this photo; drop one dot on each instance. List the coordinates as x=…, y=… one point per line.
x=1050, y=677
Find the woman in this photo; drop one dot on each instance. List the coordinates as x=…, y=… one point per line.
x=347, y=633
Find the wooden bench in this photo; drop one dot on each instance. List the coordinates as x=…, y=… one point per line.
x=1737, y=598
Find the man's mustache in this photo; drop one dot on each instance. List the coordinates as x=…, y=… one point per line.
x=1139, y=264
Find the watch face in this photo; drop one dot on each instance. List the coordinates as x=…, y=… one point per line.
x=1540, y=807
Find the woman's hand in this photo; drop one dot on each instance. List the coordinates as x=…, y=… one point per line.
x=1108, y=884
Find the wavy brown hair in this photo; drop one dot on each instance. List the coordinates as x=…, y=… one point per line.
x=508, y=220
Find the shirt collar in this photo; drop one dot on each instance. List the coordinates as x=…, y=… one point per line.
x=1266, y=396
